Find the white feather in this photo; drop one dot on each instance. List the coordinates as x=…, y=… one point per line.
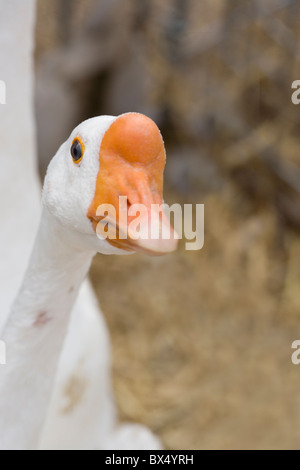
x=81, y=412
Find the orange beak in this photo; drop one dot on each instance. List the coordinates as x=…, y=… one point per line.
x=132, y=161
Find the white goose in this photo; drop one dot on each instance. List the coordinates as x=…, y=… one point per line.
x=80, y=413
x=103, y=158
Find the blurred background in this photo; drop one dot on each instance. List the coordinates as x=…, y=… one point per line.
x=201, y=340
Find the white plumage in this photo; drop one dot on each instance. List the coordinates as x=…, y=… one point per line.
x=55, y=390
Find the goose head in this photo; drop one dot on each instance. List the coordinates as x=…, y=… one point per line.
x=104, y=158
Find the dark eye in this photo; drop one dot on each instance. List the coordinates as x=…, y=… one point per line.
x=77, y=150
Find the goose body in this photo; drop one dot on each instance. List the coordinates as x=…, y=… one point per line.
x=19, y=185
x=55, y=390
x=21, y=194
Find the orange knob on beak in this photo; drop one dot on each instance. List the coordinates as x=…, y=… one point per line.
x=132, y=161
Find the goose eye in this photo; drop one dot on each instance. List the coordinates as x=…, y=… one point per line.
x=77, y=150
